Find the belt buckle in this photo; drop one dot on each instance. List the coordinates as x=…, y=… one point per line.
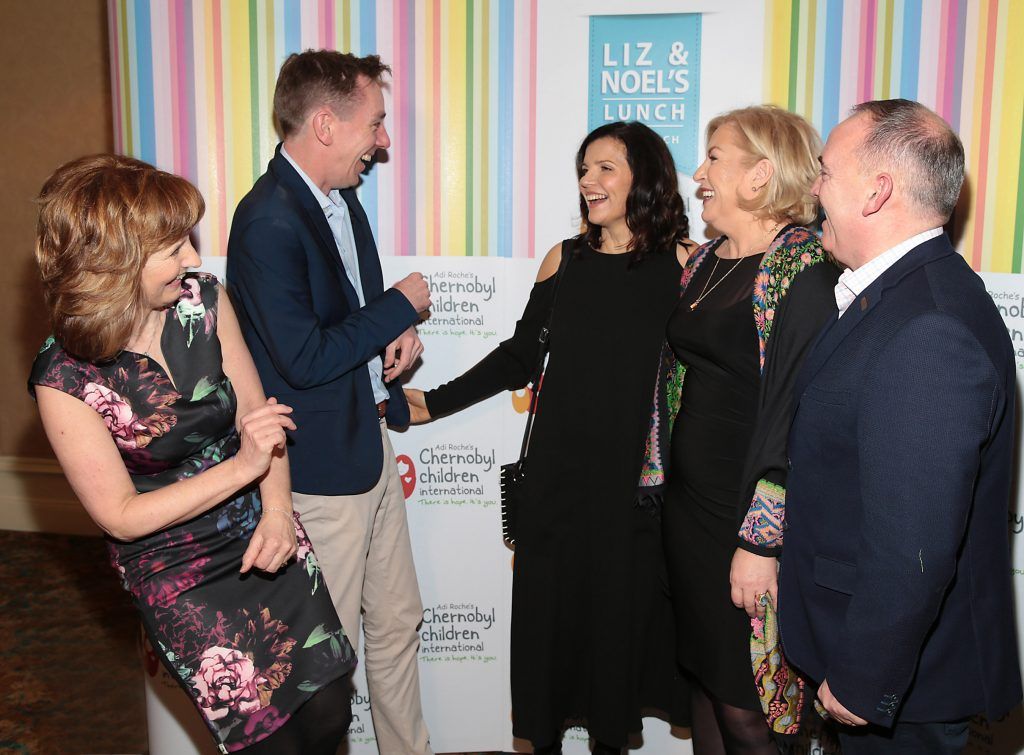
x=382, y=409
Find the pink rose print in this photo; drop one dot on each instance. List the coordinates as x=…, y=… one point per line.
x=227, y=681
x=117, y=414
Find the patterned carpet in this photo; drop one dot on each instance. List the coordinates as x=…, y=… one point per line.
x=70, y=674
x=70, y=678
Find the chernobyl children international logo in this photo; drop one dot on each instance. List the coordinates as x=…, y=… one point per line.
x=647, y=68
x=450, y=474
x=463, y=302
x=458, y=633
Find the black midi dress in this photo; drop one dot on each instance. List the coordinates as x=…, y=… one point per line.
x=592, y=632
x=717, y=341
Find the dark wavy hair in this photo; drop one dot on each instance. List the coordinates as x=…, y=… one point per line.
x=655, y=213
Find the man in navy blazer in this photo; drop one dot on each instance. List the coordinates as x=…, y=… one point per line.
x=329, y=341
x=895, y=585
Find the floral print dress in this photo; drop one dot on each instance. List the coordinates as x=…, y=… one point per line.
x=248, y=649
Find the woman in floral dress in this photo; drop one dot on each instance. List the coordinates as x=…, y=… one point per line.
x=156, y=414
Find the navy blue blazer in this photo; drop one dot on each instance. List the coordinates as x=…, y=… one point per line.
x=895, y=583
x=308, y=335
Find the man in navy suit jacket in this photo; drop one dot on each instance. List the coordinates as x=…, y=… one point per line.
x=895, y=589
x=329, y=340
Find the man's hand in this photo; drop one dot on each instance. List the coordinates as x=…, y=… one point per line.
x=418, y=412
x=751, y=576
x=836, y=709
x=401, y=353
x=414, y=287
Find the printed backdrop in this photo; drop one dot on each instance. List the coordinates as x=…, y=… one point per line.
x=488, y=103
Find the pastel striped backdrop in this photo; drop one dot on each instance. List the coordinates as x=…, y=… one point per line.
x=962, y=58
x=193, y=82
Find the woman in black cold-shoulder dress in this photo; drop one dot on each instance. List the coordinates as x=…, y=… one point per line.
x=592, y=628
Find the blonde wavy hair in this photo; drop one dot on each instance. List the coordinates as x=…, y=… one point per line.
x=100, y=219
x=791, y=145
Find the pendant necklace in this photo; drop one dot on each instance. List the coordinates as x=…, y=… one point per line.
x=705, y=291
x=152, y=338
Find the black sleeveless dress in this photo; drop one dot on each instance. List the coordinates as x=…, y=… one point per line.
x=717, y=341
x=248, y=649
x=592, y=632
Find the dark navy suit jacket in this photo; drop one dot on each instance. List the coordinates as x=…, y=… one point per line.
x=308, y=335
x=895, y=583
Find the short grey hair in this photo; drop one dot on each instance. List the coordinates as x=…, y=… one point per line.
x=924, y=153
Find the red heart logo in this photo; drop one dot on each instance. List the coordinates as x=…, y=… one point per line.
x=407, y=473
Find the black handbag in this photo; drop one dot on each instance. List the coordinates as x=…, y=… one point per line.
x=513, y=476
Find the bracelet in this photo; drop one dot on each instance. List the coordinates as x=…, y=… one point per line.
x=286, y=512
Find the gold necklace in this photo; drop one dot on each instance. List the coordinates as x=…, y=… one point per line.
x=705, y=291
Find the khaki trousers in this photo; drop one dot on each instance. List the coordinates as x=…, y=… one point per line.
x=362, y=545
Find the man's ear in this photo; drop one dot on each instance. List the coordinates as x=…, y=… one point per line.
x=322, y=123
x=881, y=191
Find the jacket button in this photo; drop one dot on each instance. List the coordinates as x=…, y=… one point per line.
x=789, y=464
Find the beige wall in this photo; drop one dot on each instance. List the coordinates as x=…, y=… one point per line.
x=54, y=105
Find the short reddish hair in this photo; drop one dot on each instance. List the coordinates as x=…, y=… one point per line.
x=100, y=219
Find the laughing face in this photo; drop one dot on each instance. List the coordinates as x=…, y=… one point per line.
x=724, y=179
x=161, y=276
x=605, y=181
x=842, y=189
x=360, y=133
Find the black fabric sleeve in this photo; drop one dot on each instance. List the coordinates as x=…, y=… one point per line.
x=809, y=303
x=509, y=367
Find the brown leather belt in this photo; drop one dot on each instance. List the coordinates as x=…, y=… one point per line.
x=382, y=409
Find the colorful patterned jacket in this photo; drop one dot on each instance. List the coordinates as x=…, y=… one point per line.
x=795, y=321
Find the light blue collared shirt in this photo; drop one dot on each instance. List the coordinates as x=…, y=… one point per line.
x=338, y=219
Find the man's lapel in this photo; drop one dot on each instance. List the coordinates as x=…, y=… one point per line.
x=313, y=215
x=366, y=249
x=836, y=330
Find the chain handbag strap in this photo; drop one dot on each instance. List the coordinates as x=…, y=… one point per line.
x=542, y=352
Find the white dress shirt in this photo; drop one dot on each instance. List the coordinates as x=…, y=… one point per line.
x=338, y=219
x=852, y=282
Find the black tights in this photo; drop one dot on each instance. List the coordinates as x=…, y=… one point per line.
x=723, y=729
x=316, y=728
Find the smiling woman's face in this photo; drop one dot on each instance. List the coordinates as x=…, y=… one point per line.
x=605, y=182
x=724, y=178
x=161, y=276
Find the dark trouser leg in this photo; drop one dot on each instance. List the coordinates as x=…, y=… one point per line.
x=905, y=739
